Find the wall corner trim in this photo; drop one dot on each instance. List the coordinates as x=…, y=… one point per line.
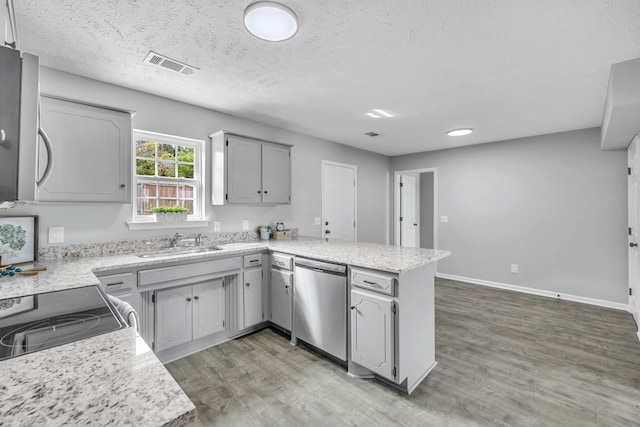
x=539, y=292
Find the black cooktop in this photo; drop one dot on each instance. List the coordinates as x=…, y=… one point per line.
x=37, y=322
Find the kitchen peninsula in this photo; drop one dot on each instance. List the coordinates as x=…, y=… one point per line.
x=116, y=376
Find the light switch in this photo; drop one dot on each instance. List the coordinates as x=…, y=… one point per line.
x=245, y=225
x=56, y=234
x=514, y=268
x=444, y=218
x=316, y=220
x=217, y=225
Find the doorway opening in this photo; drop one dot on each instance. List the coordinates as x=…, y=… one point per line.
x=415, y=208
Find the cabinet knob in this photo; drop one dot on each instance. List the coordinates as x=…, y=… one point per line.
x=188, y=299
x=265, y=191
x=122, y=185
x=633, y=245
x=286, y=286
x=259, y=191
x=327, y=231
x=247, y=284
x=353, y=307
x=196, y=297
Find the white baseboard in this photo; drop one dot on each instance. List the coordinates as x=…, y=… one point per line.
x=539, y=292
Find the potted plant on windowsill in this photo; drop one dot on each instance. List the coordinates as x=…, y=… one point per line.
x=170, y=213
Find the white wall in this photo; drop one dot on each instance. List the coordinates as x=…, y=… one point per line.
x=86, y=223
x=556, y=205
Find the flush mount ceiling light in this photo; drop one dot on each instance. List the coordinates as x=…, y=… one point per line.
x=271, y=21
x=460, y=132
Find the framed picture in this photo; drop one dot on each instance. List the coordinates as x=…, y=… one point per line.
x=11, y=306
x=18, y=239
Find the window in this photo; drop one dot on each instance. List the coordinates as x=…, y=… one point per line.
x=168, y=172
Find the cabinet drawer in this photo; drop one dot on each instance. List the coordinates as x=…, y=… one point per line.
x=376, y=281
x=282, y=261
x=117, y=282
x=252, y=260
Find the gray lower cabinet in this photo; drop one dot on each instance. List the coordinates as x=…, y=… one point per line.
x=187, y=313
x=281, y=298
x=252, y=312
x=91, y=149
x=373, y=332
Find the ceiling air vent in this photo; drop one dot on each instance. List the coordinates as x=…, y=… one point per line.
x=169, y=64
x=372, y=134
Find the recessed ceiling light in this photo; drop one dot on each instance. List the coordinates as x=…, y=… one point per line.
x=271, y=21
x=375, y=116
x=382, y=112
x=460, y=132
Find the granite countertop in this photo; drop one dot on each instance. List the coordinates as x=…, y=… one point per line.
x=115, y=377
x=75, y=272
x=108, y=379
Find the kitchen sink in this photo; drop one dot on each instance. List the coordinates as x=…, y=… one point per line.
x=180, y=251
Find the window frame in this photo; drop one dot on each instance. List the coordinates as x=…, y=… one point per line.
x=197, y=181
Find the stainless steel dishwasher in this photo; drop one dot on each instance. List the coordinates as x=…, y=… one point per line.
x=320, y=306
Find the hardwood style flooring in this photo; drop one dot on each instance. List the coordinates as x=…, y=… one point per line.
x=504, y=359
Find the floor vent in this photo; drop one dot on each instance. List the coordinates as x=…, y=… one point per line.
x=372, y=134
x=169, y=64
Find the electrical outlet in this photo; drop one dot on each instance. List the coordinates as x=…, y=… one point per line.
x=316, y=220
x=56, y=234
x=514, y=268
x=217, y=225
x=444, y=218
x=245, y=225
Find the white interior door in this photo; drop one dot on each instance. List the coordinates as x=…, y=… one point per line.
x=338, y=201
x=409, y=226
x=634, y=224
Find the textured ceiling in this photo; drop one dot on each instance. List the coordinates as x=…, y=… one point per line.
x=507, y=68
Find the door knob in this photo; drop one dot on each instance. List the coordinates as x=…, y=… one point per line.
x=633, y=245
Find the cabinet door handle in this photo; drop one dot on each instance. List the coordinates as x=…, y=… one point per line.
x=286, y=286
x=188, y=299
x=110, y=285
x=372, y=283
x=633, y=245
x=265, y=191
x=253, y=260
x=196, y=297
x=247, y=284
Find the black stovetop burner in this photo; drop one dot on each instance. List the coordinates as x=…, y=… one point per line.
x=37, y=322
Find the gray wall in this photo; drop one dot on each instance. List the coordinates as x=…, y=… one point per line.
x=554, y=204
x=426, y=210
x=107, y=222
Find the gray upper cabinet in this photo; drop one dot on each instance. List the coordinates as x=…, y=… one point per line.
x=276, y=174
x=249, y=171
x=91, y=152
x=244, y=163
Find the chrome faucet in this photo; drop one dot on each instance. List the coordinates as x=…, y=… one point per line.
x=175, y=239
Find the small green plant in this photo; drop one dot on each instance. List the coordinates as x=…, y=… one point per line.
x=169, y=209
x=263, y=228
